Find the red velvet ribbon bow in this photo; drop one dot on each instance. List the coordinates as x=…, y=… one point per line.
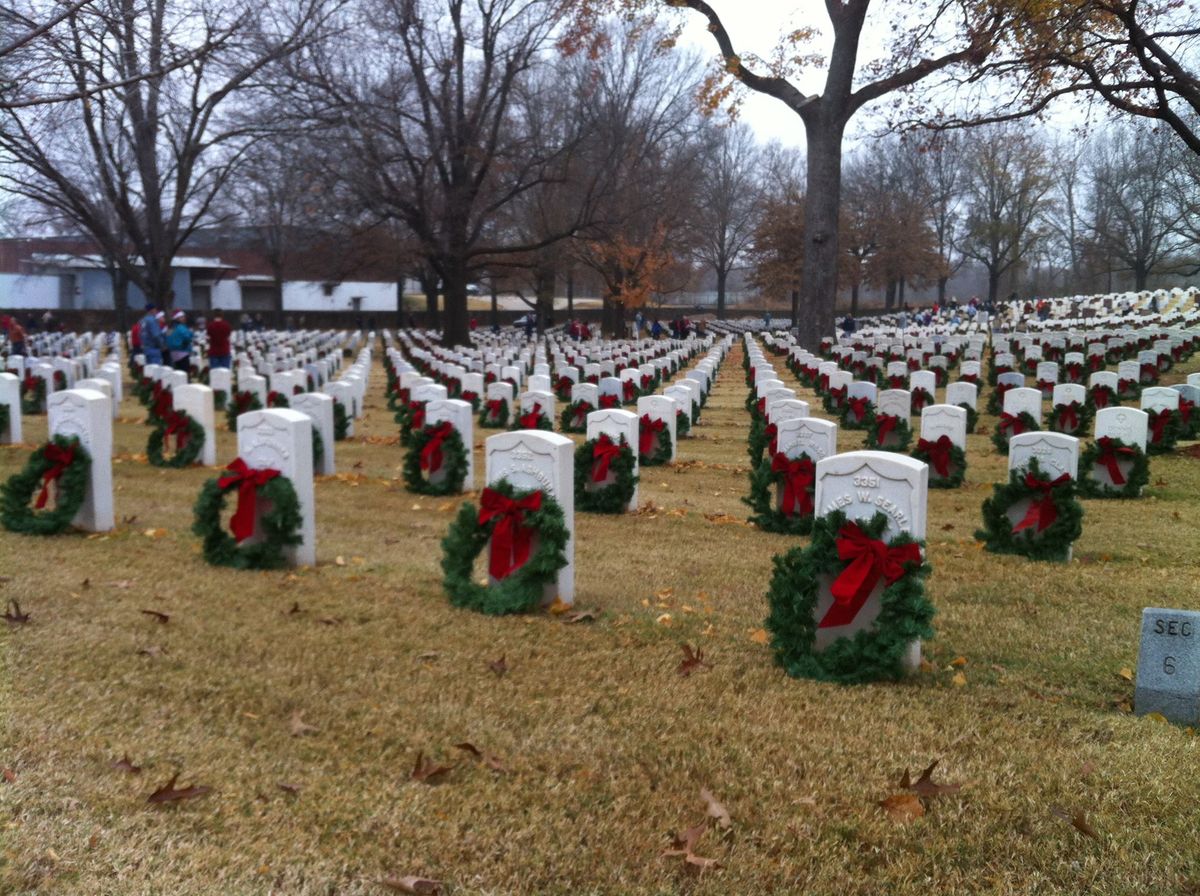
x=177, y=426
x=772, y=433
x=628, y=390
x=470, y=396
x=823, y=382
x=939, y=452
x=511, y=540
x=530, y=420
x=1100, y=397
x=493, y=407
x=761, y=404
x=162, y=401
x=431, y=454
x=608, y=401
x=1158, y=424
x=870, y=560
x=647, y=379
x=886, y=423
x=798, y=477
x=838, y=395
x=1185, y=410
x=1041, y=509
x=1109, y=453
x=1124, y=385
x=564, y=384
x=1150, y=371
x=417, y=409
x=1013, y=422
x=859, y=406
x=60, y=458
x=248, y=482
x=1068, y=415
x=648, y=432
x=604, y=452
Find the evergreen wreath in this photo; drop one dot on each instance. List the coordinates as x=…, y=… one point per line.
x=220, y=396
x=835, y=400
x=1109, y=452
x=33, y=394
x=472, y=398
x=60, y=381
x=341, y=421
x=683, y=424
x=160, y=405
x=534, y=419
x=873, y=654
x=947, y=462
x=434, y=447
x=62, y=461
x=1101, y=396
x=1008, y=426
x=972, y=416
x=4, y=417
x=760, y=440
x=574, y=416
x=921, y=399
x=889, y=433
x=1163, y=431
x=995, y=402
x=494, y=414
x=189, y=440
x=242, y=403
x=654, y=442
x=279, y=525
x=562, y=388
x=143, y=390
x=532, y=523
x=411, y=418
x=1054, y=520
x=858, y=413
x=796, y=480
x=1189, y=419
x=1071, y=418
x=318, y=446
x=1129, y=389
x=602, y=456
x=277, y=400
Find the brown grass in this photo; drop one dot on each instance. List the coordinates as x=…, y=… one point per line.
x=605, y=747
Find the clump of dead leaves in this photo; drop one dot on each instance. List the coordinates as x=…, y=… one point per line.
x=909, y=804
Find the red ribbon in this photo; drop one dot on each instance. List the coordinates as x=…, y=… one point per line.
x=1108, y=456
x=248, y=482
x=493, y=408
x=761, y=404
x=162, y=401
x=859, y=406
x=798, y=478
x=629, y=390
x=177, y=425
x=919, y=397
x=511, y=540
x=772, y=433
x=886, y=423
x=417, y=410
x=431, y=454
x=648, y=433
x=1041, y=510
x=1158, y=424
x=530, y=420
x=870, y=560
x=1124, y=385
x=1150, y=371
x=604, y=452
x=647, y=379
x=1068, y=415
x=469, y=396
x=938, y=452
x=1185, y=410
x=1013, y=422
x=60, y=458
x=1100, y=397
x=608, y=401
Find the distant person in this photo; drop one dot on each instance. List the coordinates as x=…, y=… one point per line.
x=657, y=329
x=153, y=340
x=179, y=342
x=848, y=325
x=219, y=352
x=16, y=336
x=528, y=326
x=767, y=320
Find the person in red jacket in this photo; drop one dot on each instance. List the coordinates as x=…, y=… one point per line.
x=219, y=354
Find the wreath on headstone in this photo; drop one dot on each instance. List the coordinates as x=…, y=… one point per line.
x=1010, y=425
x=995, y=402
x=62, y=462
x=536, y=418
x=562, y=387
x=1109, y=453
x=574, y=416
x=33, y=394
x=595, y=460
x=858, y=413
x=494, y=414
x=854, y=556
x=220, y=396
x=921, y=399
x=1189, y=419
x=277, y=400
x=318, y=442
x=472, y=397
x=4, y=417
x=243, y=402
x=433, y=448
x=1050, y=525
x=528, y=536
x=795, y=479
x=411, y=418
x=972, y=416
x=947, y=461
x=1101, y=396
x=278, y=526
x=760, y=440
x=683, y=424
x=341, y=421
x=654, y=442
x=835, y=400
x=1129, y=389
x=1070, y=418
x=889, y=433
x=60, y=381
x=189, y=440
x=1162, y=431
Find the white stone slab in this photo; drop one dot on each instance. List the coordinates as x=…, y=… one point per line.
x=85, y=414
x=10, y=397
x=806, y=435
x=1022, y=400
x=960, y=393
x=197, y=401
x=1055, y=453
x=281, y=439
x=617, y=425
x=461, y=416
x=939, y=420
x=319, y=409
x=659, y=407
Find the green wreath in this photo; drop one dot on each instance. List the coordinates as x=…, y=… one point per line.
x=278, y=400
x=683, y=424
x=1050, y=543
x=143, y=390
x=454, y=461
x=544, y=422
x=1168, y=432
x=1000, y=435
x=897, y=439
x=921, y=399
x=995, y=402
x=472, y=397
x=957, y=463
x=611, y=498
x=220, y=396
x=341, y=421
x=318, y=446
x=4, y=417
x=1135, y=479
x=873, y=654
x=182, y=423
x=834, y=400
x=60, y=381
x=522, y=589
x=279, y=526
x=498, y=420
x=972, y=416
x=69, y=492
x=1083, y=417
x=242, y=403
x=767, y=516
x=662, y=447
x=850, y=421
x=576, y=410
x=758, y=440
x=1110, y=399
x=33, y=394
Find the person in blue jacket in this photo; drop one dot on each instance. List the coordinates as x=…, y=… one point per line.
x=151, y=335
x=179, y=342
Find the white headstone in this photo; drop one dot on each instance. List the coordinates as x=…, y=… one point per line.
x=659, y=407
x=959, y=393
x=197, y=402
x=617, y=425
x=459, y=414
x=1024, y=401
x=281, y=439
x=1055, y=453
x=10, y=397
x=806, y=435
x=319, y=409
x=85, y=414
x=939, y=420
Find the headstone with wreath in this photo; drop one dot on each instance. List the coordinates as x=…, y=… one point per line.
x=606, y=464
x=1162, y=406
x=943, y=444
x=659, y=408
x=1069, y=410
x=318, y=407
x=281, y=439
x=10, y=409
x=1115, y=465
x=342, y=393
x=84, y=414
x=196, y=401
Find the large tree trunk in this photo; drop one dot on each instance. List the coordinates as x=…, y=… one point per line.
x=722, y=277
x=941, y=284
x=547, y=277
x=818, y=278
x=570, y=293
x=429, y=286
x=120, y=291
x=993, y=285
x=854, y=300
x=1141, y=274
x=455, y=325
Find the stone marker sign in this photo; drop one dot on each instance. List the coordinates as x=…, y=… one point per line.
x=1168, y=670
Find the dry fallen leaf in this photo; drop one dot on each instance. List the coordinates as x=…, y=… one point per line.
x=169, y=794
x=925, y=785
x=499, y=666
x=161, y=618
x=685, y=845
x=13, y=614
x=427, y=771
x=693, y=659
x=124, y=764
x=299, y=727
x=1126, y=673
x=583, y=615
x=413, y=884
x=959, y=661
x=153, y=651
x=491, y=760
x=959, y=680
x=428, y=656
x=155, y=533
x=760, y=636
x=558, y=606
x=293, y=789
x=715, y=809
x=903, y=807
x=1077, y=821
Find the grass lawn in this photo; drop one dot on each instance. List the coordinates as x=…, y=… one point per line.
x=304, y=698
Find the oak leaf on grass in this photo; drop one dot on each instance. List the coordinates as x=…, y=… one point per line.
x=684, y=845
x=926, y=786
x=169, y=793
x=426, y=771
x=693, y=659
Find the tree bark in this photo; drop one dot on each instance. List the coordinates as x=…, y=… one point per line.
x=818, y=278
x=722, y=277
x=455, y=328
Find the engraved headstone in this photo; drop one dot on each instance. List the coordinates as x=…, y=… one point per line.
x=806, y=435
x=319, y=408
x=197, y=402
x=281, y=439
x=85, y=414
x=10, y=397
x=617, y=425
x=659, y=407
x=460, y=415
x=1168, y=669
x=1055, y=453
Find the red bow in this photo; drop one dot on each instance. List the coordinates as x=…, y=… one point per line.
x=1041, y=510
x=1124, y=385
x=859, y=406
x=1108, y=456
x=838, y=396
x=772, y=433
x=647, y=379
x=162, y=402
x=604, y=452
x=629, y=390
x=564, y=385
x=919, y=397
x=493, y=407
x=938, y=452
x=177, y=425
x=1013, y=422
x=798, y=478
x=431, y=454
x=60, y=458
x=896, y=382
x=1159, y=420
x=511, y=541
x=608, y=401
x=1150, y=371
x=823, y=382
x=886, y=423
x=648, y=434
x=416, y=419
x=248, y=481
x=1100, y=397
x=470, y=396
x=870, y=560
x=1068, y=415
x=1185, y=410
x=530, y=420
